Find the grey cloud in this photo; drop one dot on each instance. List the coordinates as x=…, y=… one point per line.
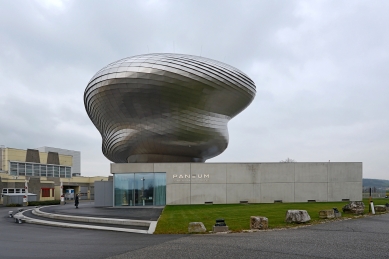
x=320, y=68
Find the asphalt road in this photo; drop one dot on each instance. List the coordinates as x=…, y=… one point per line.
x=358, y=238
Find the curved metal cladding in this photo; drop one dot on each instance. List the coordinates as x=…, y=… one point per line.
x=166, y=107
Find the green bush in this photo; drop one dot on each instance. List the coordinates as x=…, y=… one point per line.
x=13, y=205
x=43, y=203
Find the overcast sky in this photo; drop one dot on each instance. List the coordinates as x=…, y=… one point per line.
x=321, y=69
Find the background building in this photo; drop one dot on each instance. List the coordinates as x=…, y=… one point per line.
x=76, y=166
x=44, y=170
x=31, y=162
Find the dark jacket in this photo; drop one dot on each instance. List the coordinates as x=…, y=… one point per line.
x=76, y=201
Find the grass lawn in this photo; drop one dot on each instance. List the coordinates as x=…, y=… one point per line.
x=175, y=218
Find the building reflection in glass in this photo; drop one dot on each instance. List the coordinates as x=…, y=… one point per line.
x=140, y=189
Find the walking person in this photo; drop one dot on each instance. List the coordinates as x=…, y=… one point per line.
x=76, y=201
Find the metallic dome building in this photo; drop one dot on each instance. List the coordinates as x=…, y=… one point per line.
x=166, y=107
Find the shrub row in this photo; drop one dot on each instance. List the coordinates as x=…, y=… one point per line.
x=35, y=203
x=42, y=203
x=14, y=205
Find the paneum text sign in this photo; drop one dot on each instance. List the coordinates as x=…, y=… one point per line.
x=190, y=177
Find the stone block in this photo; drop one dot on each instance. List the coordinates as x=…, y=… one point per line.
x=216, y=229
x=380, y=208
x=258, y=222
x=355, y=207
x=297, y=216
x=196, y=227
x=326, y=214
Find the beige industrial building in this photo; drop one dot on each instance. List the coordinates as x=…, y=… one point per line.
x=31, y=162
x=44, y=172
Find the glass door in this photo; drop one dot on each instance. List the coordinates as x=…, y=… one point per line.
x=140, y=189
x=124, y=189
x=144, y=189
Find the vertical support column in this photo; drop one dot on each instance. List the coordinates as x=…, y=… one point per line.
x=61, y=194
x=25, y=197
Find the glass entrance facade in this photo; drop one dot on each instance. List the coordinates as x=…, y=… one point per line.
x=140, y=189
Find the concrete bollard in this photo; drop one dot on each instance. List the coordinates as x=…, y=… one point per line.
x=61, y=194
x=220, y=226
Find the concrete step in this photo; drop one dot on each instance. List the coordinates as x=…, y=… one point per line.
x=31, y=214
x=100, y=220
x=36, y=216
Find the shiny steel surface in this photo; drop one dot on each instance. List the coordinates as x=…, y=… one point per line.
x=166, y=107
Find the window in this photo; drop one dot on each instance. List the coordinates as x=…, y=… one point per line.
x=22, y=169
x=50, y=171
x=68, y=172
x=13, y=190
x=56, y=171
x=43, y=170
x=45, y=192
x=36, y=169
x=14, y=168
x=52, y=191
x=29, y=169
x=62, y=171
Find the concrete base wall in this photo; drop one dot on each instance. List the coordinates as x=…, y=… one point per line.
x=220, y=183
x=104, y=194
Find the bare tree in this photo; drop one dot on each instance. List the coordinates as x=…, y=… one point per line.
x=288, y=160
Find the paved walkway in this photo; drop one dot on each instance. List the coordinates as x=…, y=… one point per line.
x=355, y=238
x=87, y=209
